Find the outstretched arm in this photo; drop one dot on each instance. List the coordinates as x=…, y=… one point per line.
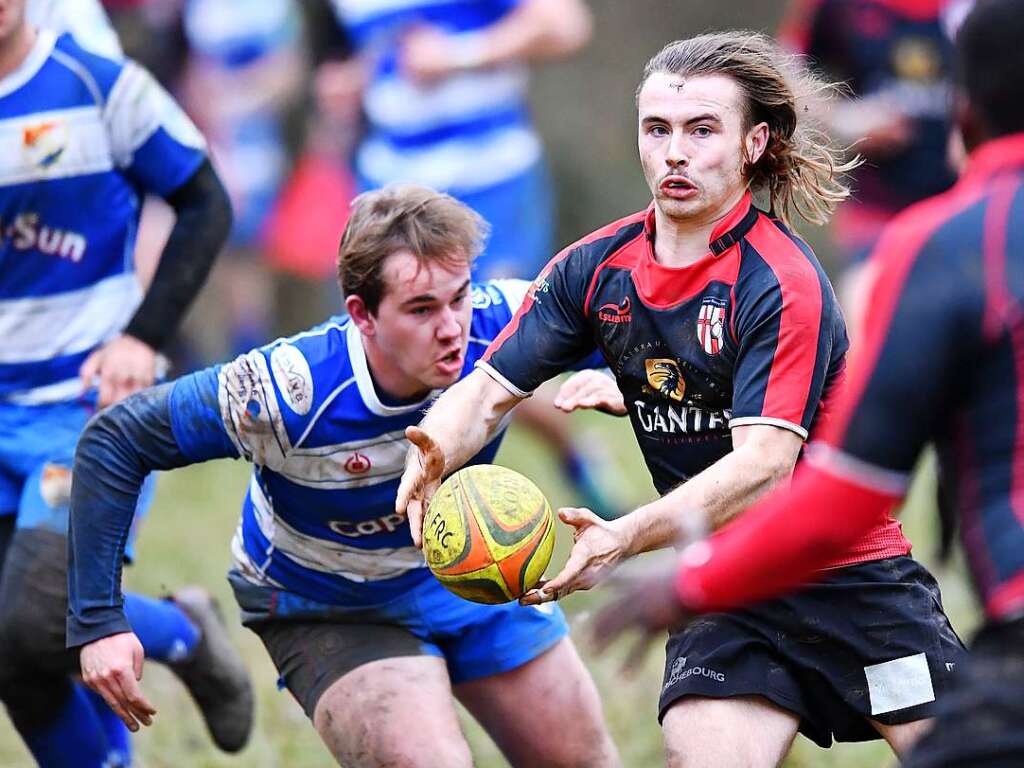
x=457, y=426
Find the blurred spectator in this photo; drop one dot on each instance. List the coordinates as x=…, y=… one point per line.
x=896, y=57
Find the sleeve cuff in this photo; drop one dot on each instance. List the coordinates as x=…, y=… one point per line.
x=772, y=422
x=100, y=624
x=490, y=371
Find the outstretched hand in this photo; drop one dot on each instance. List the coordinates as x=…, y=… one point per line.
x=112, y=666
x=424, y=468
x=592, y=390
x=598, y=547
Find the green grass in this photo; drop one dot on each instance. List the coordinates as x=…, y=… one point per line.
x=185, y=540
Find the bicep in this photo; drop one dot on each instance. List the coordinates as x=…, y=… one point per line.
x=780, y=445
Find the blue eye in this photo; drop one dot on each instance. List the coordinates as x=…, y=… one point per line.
x=702, y=131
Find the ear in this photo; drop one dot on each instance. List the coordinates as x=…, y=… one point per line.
x=360, y=314
x=755, y=142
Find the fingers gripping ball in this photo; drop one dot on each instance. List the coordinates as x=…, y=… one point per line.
x=488, y=534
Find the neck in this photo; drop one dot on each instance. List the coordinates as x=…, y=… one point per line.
x=682, y=242
x=388, y=380
x=15, y=49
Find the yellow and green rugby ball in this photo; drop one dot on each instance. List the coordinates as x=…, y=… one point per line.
x=488, y=534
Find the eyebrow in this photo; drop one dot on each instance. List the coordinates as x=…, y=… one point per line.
x=425, y=298
x=702, y=118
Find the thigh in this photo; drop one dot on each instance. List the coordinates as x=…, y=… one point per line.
x=543, y=713
x=738, y=732
x=393, y=712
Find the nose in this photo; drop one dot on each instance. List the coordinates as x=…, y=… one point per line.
x=448, y=326
x=677, y=151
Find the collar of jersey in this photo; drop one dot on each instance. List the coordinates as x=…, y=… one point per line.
x=40, y=52
x=729, y=231
x=994, y=156
x=361, y=370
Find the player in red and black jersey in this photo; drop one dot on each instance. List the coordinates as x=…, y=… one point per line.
x=726, y=342
x=942, y=362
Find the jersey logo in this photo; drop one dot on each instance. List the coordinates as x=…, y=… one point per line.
x=664, y=376
x=616, y=313
x=45, y=143
x=357, y=464
x=711, y=325
x=293, y=377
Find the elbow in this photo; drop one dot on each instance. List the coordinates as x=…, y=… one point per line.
x=565, y=26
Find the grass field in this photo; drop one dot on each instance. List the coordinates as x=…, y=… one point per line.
x=185, y=540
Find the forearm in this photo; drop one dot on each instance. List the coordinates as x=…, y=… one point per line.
x=706, y=501
x=203, y=219
x=465, y=418
x=536, y=30
x=119, y=447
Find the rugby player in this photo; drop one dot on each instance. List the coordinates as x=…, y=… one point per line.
x=941, y=363
x=724, y=337
x=86, y=137
x=367, y=641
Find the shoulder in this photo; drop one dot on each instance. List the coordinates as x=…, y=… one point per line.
x=97, y=72
x=609, y=239
x=776, y=257
x=310, y=365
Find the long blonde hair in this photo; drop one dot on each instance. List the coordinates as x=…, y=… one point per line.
x=800, y=169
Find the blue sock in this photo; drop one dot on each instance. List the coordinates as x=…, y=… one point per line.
x=75, y=738
x=119, y=746
x=164, y=630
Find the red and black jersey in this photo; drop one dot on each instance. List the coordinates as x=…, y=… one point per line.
x=749, y=334
x=942, y=361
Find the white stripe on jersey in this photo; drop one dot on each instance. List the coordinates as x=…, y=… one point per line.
x=77, y=134
x=401, y=107
x=495, y=158
x=42, y=328
x=352, y=12
x=331, y=557
x=138, y=105
x=68, y=389
x=250, y=411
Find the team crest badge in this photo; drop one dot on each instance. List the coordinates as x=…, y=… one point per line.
x=711, y=325
x=664, y=376
x=44, y=143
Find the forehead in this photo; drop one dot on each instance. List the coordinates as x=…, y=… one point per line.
x=673, y=96
x=405, y=276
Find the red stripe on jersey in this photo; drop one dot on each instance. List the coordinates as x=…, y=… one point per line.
x=795, y=30
x=513, y=324
x=789, y=381
x=1008, y=600
x=1003, y=311
x=894, y=256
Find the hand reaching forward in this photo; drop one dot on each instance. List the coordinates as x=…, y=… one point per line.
x=598, y=548
x=590, y=389
x=112, y=666
x=424, y=468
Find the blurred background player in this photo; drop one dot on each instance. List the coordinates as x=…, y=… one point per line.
x=85, y=134
x=727, y=345
x=443, y=88
x=896, y=58
x=325, y=571
x=940, y=362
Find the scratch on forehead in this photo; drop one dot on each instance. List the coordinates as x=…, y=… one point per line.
x=678, y=86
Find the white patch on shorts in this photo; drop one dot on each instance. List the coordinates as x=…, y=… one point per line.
x=899, y=684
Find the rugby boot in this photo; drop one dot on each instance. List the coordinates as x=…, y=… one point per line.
x=214, y=674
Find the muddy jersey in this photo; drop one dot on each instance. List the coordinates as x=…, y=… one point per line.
x=749, y=334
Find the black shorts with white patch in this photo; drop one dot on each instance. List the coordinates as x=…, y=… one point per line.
x=870, y=640
x=980, y=722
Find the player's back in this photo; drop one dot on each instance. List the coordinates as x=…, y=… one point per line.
x=958, y=259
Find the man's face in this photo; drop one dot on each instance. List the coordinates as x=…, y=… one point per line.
x=691, y=140
x=421, y=328
x=12, y=16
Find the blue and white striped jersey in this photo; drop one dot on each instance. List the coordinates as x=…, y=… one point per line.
x=467, y=132
x=82, y=137
x=319, y=517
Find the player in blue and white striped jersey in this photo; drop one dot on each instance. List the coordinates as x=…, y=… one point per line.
x=83, y=137
x=325, y=571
